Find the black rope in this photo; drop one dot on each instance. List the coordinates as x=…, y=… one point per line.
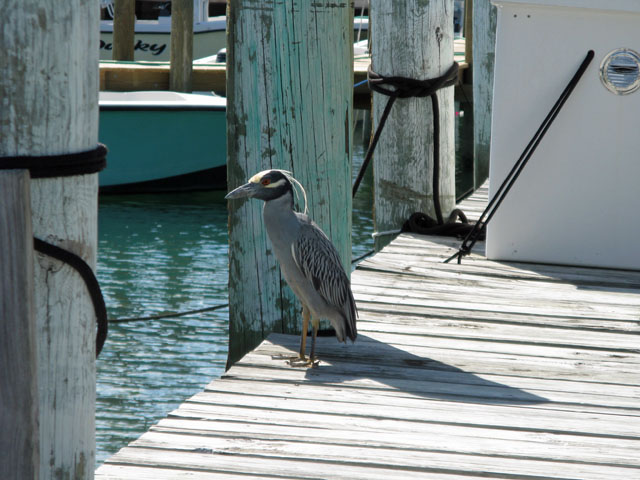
x=66, y=165
x=422, y=223
x=85, y=271
x=401, y=87
x=160, y=316
x=372, y=145
x=363, y=256
x=480, y=226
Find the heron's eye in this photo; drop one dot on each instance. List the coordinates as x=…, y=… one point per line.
x=266, y=181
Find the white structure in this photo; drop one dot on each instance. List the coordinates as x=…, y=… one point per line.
x=577, y=199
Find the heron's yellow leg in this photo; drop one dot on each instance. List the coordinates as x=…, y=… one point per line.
x=302, y=360
x=305, y=326
x=315, y=324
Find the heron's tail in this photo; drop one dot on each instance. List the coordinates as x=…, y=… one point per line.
x=350, y=318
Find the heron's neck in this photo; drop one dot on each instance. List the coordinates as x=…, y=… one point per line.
x=283, y=205
x=280, y=220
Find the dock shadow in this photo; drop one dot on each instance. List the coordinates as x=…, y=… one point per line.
x=385, y=364
x=591, y=279
x=583, y=277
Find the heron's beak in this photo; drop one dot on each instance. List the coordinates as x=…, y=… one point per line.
x=243, y=191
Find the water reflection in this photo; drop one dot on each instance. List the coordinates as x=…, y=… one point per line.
x=158, y=254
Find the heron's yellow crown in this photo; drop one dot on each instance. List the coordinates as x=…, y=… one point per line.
x=257, y=178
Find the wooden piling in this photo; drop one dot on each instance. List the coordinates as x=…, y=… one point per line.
x=49, y=98
x=124, y=20
x=411, y=39
x=484, y=33
x=180, y=75
x=289, y=106
x=19, y=441
x=468, y=39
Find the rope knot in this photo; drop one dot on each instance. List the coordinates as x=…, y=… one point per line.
x=402, y=87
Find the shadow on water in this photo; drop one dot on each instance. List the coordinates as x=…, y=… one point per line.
x=401, y=370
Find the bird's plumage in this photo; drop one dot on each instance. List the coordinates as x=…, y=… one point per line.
x=309, y=261
x=318, y=260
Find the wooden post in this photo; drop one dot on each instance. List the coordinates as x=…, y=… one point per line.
x=412, y=39
x=49, y=98
x=468, y=39
x=484, y=48
x=124, y=21
x=181, y=45
x=289, y=106
x=19, y=442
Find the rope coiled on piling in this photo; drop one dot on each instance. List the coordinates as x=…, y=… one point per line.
x=402, y=87
x=66, y=165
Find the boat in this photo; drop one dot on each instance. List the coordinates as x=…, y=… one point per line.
x=153, y=29
x=162, y=141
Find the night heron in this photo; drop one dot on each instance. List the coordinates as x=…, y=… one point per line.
x=309, y=261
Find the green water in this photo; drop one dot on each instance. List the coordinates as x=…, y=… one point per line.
x=157, y=254
x=160, y=253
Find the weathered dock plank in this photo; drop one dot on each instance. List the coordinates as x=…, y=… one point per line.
x=480, y=370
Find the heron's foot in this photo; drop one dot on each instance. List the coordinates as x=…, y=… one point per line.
x=298, y=361
x=283, y=356
x=304, y=362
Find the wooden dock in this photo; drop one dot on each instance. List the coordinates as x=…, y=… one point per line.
x=480, y=370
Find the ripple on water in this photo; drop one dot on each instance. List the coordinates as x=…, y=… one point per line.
x=169, y=253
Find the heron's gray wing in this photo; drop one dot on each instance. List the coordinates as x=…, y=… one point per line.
x=319, y=261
